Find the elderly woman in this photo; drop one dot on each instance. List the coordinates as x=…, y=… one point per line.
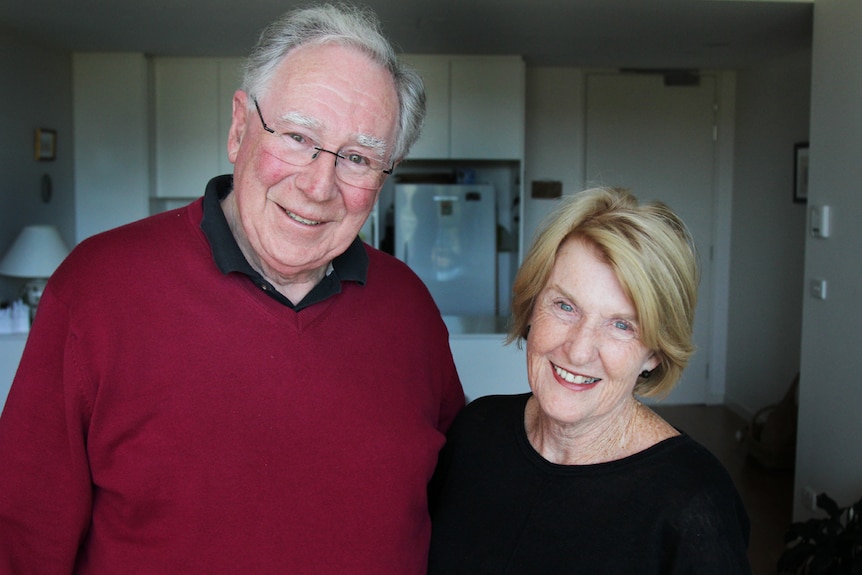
x=579, y=476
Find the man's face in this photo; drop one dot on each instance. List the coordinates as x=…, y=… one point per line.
x=294, y=220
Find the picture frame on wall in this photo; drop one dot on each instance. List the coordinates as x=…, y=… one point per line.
x=800, y=172
x=46, y=144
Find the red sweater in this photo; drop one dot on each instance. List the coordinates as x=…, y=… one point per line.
x=167, y=418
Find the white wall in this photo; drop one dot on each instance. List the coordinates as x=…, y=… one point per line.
x=766, y=272
x=36, y=93
x=111, y=142
x=830, y=398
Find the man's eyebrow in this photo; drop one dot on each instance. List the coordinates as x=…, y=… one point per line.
x=373, y=143
x=378, y=145
x=300, y=119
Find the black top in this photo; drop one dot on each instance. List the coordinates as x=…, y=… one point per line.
x=352, y=265
x=498, y=507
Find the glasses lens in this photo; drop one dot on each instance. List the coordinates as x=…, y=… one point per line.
x=359, y=176
x=295, y=152
x=351, y=169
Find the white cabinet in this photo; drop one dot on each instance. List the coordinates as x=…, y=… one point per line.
x=475, y=107
x=192, y=115
x=433, y=143
x=475, y=111
x=111, y=140
x=487, y=366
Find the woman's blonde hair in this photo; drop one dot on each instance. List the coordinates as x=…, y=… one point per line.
x=653, y=257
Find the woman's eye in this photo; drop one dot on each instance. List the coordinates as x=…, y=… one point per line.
x=565, y=306
x=622, y=325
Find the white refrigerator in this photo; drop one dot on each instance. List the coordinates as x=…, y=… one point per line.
x=447, y=233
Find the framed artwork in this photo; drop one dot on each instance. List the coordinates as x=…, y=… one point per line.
x=800, y=172
x=46, y=144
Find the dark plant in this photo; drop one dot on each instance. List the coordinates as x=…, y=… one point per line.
x=825, y=546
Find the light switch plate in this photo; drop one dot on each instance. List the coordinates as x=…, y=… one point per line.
x=819, y=221
x=818, y=288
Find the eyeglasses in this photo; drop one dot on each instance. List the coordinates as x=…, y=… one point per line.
x=354, y=168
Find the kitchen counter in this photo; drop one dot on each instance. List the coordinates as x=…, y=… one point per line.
x=477, y=325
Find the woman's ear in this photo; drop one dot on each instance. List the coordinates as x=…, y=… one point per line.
x=652, y=362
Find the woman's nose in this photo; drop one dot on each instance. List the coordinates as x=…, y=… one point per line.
x=582, y=342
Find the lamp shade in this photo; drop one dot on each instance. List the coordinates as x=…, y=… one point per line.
x=36, y=253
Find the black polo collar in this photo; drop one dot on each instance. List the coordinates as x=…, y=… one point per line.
x=352, y=265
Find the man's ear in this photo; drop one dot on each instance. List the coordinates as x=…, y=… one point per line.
x=238, y=124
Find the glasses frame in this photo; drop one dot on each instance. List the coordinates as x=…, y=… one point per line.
x=319, y=149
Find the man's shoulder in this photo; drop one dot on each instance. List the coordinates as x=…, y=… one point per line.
x=152, y=239
x=388, y=266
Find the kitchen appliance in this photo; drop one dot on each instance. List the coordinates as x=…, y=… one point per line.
x=447, y=234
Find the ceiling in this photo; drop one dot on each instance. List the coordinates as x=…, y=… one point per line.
x=581, y=33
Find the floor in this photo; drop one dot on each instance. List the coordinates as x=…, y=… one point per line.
x=767, y=494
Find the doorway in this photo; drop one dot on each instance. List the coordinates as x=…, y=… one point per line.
x=659, y=139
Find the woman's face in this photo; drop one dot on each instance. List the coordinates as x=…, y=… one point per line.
x=584, y=352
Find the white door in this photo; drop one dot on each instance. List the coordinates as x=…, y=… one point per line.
x=658, y=141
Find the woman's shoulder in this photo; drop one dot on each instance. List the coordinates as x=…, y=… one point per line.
x=489, y=414
x=496, y=405
x=686, y=466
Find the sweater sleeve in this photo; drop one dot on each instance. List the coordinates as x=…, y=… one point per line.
x=45, y=489
x=711, y=535
x=452, y=402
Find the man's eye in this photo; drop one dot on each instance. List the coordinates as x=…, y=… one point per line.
x=298, y=138
x=357, y=159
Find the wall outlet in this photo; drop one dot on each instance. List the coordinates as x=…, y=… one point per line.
x=809, y=496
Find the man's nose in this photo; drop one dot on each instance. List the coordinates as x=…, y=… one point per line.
x=318, y=179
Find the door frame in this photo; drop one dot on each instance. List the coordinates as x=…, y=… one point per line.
x=725, y=124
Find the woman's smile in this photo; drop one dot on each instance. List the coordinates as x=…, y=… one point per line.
x=570, y=377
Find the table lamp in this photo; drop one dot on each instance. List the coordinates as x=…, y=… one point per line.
x=35, y=254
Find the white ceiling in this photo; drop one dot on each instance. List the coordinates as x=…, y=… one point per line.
x=584, y=33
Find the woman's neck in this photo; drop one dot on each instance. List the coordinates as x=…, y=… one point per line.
x=630, y=429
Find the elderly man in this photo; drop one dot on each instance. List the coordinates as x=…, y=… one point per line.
x=241, y=385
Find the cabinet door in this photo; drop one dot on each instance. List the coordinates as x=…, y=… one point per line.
x=433, y=143
x=186, y=125
x=487, y=96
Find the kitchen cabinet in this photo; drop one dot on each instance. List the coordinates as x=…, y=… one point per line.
x=433, y=143
x=475, y=111
x=486, y=365
x=192, y=114
x=475, y=107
